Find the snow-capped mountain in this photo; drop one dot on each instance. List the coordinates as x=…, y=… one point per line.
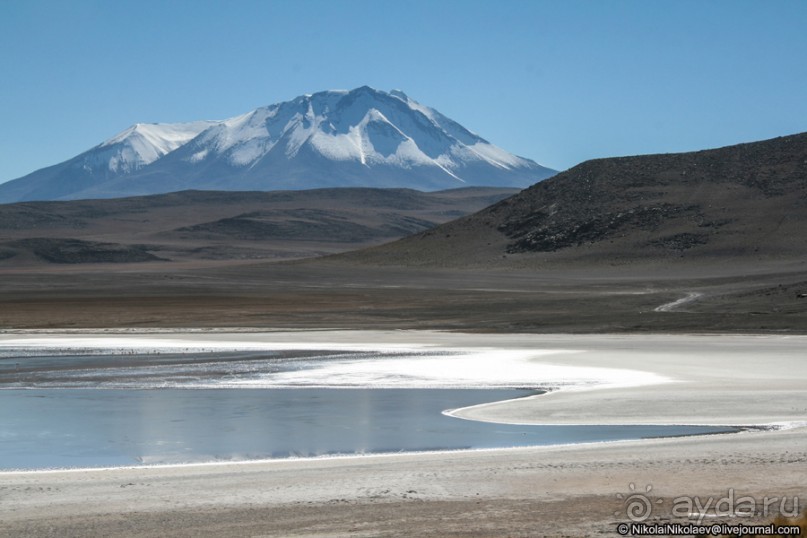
x=122, y=155
x=362, y=137
x=144, y=143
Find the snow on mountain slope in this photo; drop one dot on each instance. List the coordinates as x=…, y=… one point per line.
x=361, y=137
x=144, y=143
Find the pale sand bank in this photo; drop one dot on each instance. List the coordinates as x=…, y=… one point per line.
x=569, y=490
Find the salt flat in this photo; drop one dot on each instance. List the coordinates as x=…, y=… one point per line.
x=572, y=490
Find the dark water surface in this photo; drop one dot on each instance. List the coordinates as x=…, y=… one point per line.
x=45, y=428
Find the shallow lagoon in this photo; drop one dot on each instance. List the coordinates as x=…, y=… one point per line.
x=46, y=428
x=70, y=407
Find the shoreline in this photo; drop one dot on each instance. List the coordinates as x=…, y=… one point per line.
x=331, y=457
x=543, y=491
x=391, y=454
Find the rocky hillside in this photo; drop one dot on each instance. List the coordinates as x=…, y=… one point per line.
x=746, y=201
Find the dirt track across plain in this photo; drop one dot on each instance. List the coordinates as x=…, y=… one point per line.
x=765, y=297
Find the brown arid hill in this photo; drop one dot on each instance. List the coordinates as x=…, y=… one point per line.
x=746, y=202
x=222, y=227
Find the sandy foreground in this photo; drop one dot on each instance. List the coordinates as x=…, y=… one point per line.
x=550, y=491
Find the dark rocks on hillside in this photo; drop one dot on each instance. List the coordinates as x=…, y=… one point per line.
x=682, y=241
x=541, y=232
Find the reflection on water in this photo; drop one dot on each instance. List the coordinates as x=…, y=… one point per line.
x=43, y=428
x=186, y=406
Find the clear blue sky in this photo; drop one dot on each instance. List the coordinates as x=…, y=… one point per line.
x=556, y=81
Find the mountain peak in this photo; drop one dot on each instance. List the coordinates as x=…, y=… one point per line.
x=144, y=143
x=336, y=138
x=366, y=89
x=399, y=94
